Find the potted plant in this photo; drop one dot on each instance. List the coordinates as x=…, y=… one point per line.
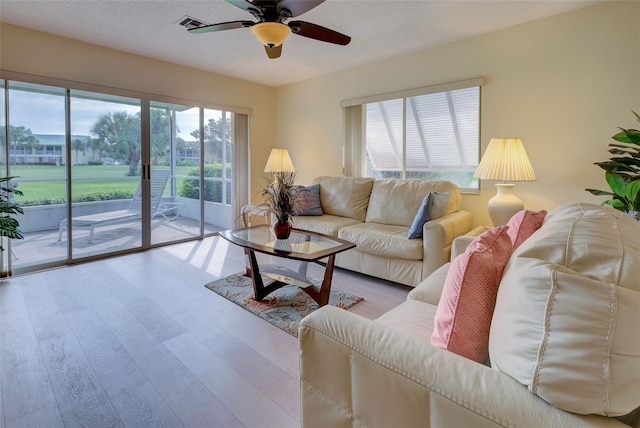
x=9, y=226
x=623, y=172
x=280, y=195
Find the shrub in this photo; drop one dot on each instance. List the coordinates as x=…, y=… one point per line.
x=186, y=162
x=95, y=162
x=190, y=188
x=91, y=197
x=104, y=196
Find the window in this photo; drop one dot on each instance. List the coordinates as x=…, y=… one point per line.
x=434, y=135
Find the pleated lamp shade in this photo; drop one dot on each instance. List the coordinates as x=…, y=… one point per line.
x=505, y=160
x=279, y=161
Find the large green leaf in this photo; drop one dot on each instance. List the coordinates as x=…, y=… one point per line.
x=631, y=192
x=626, y=161
x=625, y=150
x=599, y=192
x=617, y=166
x=631, y=136
x=621, y=151
x=616, y=183
x=615, y=203
x=625, y=146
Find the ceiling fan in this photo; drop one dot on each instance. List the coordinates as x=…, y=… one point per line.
x=272, y=28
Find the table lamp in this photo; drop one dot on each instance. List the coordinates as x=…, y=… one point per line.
x=505, y=160
x=279, y=161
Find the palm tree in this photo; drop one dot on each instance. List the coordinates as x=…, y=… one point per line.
x=22, y=138
x=78, y=145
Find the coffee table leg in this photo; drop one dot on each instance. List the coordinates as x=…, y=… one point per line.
x=322, y=297
x=247, y=262
x=259, y=290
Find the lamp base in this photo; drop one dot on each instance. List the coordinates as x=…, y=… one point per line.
x=504, y=204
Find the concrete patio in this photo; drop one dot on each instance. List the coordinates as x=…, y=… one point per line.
x=43, y=247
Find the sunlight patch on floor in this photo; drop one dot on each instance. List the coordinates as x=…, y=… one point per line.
x=213, y=255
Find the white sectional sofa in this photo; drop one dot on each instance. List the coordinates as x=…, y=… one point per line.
x=564, y=344
x=376, y=215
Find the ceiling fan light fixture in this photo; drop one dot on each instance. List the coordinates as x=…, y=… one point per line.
x=271, y=34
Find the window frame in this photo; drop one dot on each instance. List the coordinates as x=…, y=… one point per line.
x=354, y=125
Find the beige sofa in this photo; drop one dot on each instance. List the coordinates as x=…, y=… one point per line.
x=376, y=216
x=574, y=279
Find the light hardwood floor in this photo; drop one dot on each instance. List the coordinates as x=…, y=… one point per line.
x=138, y=341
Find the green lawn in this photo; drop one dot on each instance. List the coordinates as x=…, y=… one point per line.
x=47, y=182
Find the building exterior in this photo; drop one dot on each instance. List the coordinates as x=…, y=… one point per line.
x=50, y=150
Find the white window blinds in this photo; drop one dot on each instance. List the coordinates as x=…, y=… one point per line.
x=443, y=131
x=431, y=136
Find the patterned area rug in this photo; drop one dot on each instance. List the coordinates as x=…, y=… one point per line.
x=283, y=308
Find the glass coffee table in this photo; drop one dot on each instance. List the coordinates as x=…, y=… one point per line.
x=303, y=246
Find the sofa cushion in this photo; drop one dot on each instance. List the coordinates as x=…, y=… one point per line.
x=383, y=240
x=327, y=224
x=396, y=202
x=430, y=289
x=464, y=313
x=433, y=206
x=308, y=200
x=412, y=317
x=523, y=224
x=345, y=196
x=568, y=310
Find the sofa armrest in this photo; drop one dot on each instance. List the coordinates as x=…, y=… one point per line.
x=461, y=243
x=356, y=372
x=438, y=235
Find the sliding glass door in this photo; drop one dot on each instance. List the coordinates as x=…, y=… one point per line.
x=191, y=146
x=105, y=167
x=175, y=154
x=104, y=174
x=218, y=145
x=35, y=153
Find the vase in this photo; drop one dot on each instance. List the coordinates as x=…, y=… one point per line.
x=282, y=230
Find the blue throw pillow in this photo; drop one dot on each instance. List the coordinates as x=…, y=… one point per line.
x=308, y=200
x=433, y=206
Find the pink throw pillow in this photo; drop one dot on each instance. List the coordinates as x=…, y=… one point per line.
x=523, y=224
x=463, y=317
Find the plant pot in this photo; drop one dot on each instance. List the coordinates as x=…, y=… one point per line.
x=282, y=230
x=634, y=214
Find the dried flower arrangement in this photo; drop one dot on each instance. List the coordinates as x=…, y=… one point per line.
x=280, y=195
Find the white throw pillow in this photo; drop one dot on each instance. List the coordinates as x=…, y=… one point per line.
x=567, y=316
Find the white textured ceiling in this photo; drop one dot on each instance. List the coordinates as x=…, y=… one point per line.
x=379, y=29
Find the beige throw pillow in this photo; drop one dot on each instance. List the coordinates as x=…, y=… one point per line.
x=345, y=196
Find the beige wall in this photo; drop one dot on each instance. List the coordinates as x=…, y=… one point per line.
x=562, y=84
x=33, y=52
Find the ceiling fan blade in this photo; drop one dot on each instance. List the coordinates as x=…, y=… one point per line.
x=243, y=4
x=273, y=52
x=318, y=32
x=298, y=7
x=221, y=26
